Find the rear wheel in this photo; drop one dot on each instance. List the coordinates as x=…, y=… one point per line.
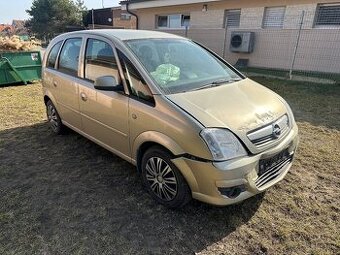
x=54, y=119
x=163, y=180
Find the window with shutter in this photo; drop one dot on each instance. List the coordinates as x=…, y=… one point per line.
x=273, y=17
x=232, y=18
x=328, y=15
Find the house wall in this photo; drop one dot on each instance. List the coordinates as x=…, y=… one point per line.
x=319, y=49
x=126, y=24
x=117, y=22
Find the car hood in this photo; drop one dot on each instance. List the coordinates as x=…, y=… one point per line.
x=240, y=106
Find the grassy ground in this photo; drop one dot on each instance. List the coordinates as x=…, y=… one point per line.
x=297, y=75
x=66, y=195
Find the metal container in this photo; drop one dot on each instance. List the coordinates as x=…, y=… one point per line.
x=19, y=67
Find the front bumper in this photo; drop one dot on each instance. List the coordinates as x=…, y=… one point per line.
x=206, y=179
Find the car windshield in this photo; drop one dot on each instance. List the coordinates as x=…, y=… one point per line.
x=179, y=65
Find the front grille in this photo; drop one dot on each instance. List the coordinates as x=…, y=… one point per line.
x=266, y=134
x=267, y=173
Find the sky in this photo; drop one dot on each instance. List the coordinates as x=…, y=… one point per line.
x=16, y=9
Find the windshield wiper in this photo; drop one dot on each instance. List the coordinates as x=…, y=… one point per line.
x=217, y=83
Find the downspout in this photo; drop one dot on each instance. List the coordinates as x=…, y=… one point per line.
x=133, y=14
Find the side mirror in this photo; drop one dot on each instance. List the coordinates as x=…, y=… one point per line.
x=107, y=83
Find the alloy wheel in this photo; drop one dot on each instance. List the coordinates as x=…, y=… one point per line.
x=52, y=117
x=161, y=178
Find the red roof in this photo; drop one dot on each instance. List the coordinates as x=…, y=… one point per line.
x=4, y=27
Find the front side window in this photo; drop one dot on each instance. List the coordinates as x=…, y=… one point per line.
x=69, y=56
x=274, y=17
x=100, y=60
x=52, y=57
x=178, y=65
x=137, y=86
x=173, y=21
x=327, y=15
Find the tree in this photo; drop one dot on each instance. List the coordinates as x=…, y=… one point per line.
x=81, y=9
x=51, y=17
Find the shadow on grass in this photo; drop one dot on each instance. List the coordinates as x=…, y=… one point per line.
x=66, y=195
x=17, y=84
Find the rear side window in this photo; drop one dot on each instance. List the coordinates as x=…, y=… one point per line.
x=69, y=56
x=52, y=57
x=100, y=60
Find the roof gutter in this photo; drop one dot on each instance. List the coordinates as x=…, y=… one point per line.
x=133, y=14
x=143, y=4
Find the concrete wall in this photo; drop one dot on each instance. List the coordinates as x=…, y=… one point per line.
x=319, y=49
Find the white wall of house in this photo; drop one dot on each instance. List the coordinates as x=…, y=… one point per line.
x=319, y=48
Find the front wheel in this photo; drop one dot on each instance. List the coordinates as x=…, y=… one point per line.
x=163, y=180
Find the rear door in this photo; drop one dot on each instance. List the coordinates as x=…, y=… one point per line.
x=50, y=73
x=67, y=81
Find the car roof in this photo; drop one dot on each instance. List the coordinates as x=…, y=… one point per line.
x=126, y=34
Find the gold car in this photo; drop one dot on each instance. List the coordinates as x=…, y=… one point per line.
x=193, y=125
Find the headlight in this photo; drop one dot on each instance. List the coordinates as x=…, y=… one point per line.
x=222, y=144
x=289, y=110
x=290, y=114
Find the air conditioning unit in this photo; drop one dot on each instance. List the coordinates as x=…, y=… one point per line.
x=242, y=42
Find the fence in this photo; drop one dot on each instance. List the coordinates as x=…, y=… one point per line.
x=296, y=47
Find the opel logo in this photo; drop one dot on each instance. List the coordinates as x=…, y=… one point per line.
x=276, y=131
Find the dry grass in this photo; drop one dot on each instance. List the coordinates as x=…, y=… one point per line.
x=66, y=195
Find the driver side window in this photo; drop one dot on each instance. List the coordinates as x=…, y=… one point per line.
x=100, y=60
x=137, y=86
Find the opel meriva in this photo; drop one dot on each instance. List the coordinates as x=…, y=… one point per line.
x=193, y=125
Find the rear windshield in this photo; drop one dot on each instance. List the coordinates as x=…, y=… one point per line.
x=179, y=65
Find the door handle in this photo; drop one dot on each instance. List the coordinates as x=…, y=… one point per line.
x=55, y=84
x=83, y=96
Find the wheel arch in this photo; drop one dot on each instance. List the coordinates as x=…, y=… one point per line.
x=152, y=138
x=149, y=139
x=46, y=99
x=49, y=96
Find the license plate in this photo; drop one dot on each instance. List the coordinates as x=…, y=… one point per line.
x=266, y=164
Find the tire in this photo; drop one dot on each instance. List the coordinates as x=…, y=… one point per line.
x=54, y=119
x=163, y=180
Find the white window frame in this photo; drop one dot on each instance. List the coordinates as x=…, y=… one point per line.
x=316, y=25
x=169, y=16
x=276, y=23
x=125, y=16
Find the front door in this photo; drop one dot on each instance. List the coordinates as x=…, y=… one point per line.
x=104, y=114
